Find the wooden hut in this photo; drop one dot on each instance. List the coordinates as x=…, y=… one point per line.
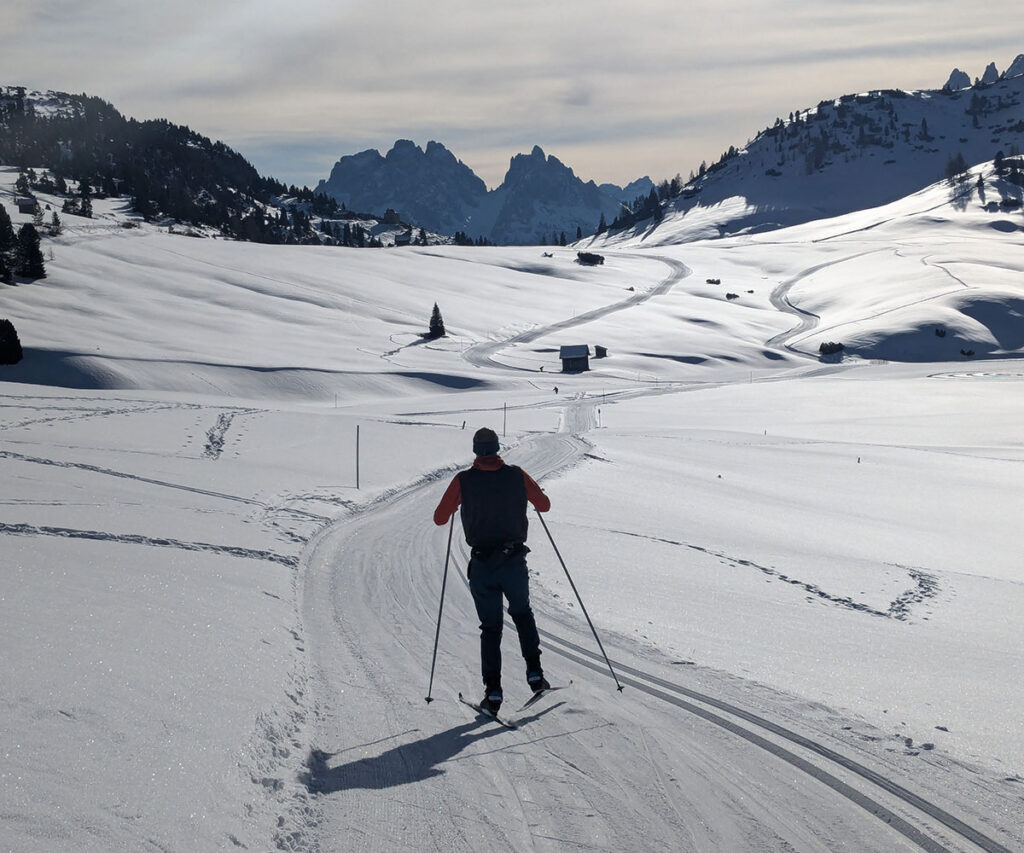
x=575, y=359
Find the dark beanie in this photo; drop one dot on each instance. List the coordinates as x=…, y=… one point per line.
x=485, y=442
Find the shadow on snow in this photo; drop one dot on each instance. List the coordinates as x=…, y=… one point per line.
x=401, y=765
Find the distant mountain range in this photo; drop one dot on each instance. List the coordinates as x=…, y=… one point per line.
x=848, y=153
x=540, y=199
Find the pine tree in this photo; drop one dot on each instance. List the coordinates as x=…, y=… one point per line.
x=85, y=207
x=956, y=168
x=8, y=245
x=29, y=256
x=10, y=346
x=436, y=324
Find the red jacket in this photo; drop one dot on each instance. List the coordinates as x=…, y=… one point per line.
x=452, y=498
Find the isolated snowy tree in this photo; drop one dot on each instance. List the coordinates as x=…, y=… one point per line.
x=436, y=324
x=10, y=346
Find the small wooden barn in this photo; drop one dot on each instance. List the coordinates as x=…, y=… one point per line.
x=575, y=358
x=26, y=205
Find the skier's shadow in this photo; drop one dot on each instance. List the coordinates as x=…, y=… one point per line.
x=401, y=765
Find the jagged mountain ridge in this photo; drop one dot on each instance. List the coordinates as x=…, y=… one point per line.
x=850, y=153
x=539, y=198
x=445, y=188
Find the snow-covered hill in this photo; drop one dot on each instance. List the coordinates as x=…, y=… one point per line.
x=218, y=619
x=851, y=153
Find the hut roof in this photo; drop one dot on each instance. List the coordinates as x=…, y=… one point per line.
x=574, y=351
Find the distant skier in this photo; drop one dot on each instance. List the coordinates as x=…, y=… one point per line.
x=493, y=498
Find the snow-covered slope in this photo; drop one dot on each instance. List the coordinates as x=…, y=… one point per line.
x=218, y=620
x=851, y=153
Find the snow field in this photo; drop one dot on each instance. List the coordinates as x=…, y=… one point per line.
x=836, y=542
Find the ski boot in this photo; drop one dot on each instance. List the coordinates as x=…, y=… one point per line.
x=535, y=678
x=491, y=703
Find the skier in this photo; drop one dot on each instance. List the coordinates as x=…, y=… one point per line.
x=493, y=498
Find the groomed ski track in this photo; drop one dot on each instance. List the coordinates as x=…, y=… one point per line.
x=681, y=760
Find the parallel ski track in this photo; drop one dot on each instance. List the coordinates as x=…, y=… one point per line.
x=655, y=686
x=673, y=694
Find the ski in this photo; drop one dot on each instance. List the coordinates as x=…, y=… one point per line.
x=540, y=694
x=508, y=724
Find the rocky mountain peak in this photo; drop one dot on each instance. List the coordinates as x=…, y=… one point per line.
x=958, y=80
x=539, y=197
x=1016, y=68
x=991, y=74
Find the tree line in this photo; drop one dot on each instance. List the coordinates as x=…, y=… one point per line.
x=87, y=150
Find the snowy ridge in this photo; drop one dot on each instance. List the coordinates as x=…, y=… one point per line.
x=852, y=153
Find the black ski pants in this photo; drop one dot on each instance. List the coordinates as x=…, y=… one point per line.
x=491, y=579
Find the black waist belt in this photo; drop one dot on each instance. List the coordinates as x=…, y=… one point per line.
x=506, y=549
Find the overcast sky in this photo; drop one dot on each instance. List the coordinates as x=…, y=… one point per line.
x=615, y=90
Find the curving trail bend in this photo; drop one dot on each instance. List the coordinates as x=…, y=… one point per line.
x=666, y=765
x=595, y=770
x=482, y=354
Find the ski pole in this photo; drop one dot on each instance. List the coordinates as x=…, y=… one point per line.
x=580, y=600
x=444, y=581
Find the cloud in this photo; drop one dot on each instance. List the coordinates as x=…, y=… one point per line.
x=646, y=87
